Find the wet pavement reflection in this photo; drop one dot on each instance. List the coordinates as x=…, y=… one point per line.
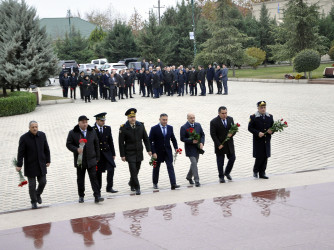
x=301, y=217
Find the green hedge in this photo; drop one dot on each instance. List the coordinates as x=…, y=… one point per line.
x=17, y=103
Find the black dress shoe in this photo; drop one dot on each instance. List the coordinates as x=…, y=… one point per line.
x=264, y=177
x=98, y=199
x=197, y=184
x=175, y=186
x=111, y=191
x=155, y=186
x=131, y=187
x=81, y=200
x=228, y=177
x=138, y=192
x=255, y=175
x=221, y=180
x=39, y=199
x=34, y=205
x=190, y=181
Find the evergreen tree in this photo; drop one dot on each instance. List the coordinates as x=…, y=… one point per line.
x=26, y=53
x=299, y=31
x=326, y=26
x=119, y=43
x=251, y=29
x=74, y=47
x=226, y=44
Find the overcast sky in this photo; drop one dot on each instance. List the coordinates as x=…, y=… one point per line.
x=123, y=7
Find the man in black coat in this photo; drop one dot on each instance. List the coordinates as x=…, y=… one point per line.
x=219, y=130
x=169, y=81
x=90, y=156
x=210, y=73
x=259, y=124
x=65, y=83
x=95, y=84
x=127, y=78
x=192, y=147
x=201, y=80
x=120, y=83
x=107, y=152
x=155, y=84
x=132, y=134
x=193, y=81
x=34, y=149
x=73, y=85
x=218, y=78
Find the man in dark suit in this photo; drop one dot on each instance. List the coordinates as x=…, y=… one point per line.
x=201, y=80
x=113, y=87
x=160, y=137
x=90, y=156
x=193, y=81
x=107, y=152
x=210, y=73
x=259, y=124
x=132, y=134
x=192, y=147
x=219, y=130
x=34, y=149
x=218, y=78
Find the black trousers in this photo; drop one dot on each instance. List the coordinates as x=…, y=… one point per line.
x=134, y=168
x=193, y=89
x=32, y=187
x=101, y=92
x=210, y=84
x=73, y=93
x=81, y=172
x=128, y=91
x=149, y=91
x=220, y=164
x=110, y=178
x=170, y=169
x=260, y=165
x=81, y=92
x=87, y=98
x=220, y=87
x=65, y=91
x=95, y=91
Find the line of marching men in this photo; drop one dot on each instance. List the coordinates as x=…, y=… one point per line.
x=94, y=151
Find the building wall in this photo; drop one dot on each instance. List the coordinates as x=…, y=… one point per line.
x=276, y=8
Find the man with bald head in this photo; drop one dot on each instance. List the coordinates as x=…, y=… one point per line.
x=192, y=147
x=34, y=150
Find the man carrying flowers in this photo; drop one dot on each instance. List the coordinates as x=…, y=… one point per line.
x=259, y=125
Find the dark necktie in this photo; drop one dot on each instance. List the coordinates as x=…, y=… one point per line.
x=101, y=132
x=263, y=117
x=225, y=125
x=164, y=130
x=192, y=125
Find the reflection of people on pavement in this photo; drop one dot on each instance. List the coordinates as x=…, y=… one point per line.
x=167, y=211
x=194, y=206
x=37, y=232
x=226, y=203
x=136, y=215
x=88, y=225
x=266, y=198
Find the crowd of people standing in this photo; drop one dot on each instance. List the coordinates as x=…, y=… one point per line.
x=153, y=81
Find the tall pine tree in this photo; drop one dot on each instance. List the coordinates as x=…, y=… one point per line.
x=26, y=53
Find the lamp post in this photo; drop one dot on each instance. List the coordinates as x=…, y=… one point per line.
x=193, y=15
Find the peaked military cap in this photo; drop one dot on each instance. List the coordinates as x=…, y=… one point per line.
x=101, y=116
x=261, y=103
x=131, y=112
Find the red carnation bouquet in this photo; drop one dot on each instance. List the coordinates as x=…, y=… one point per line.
x=278, y=126
x=193, y=135
x=234, y=129
x=82, y=143
x=178, y=152
x=23, y=181
x=153, y=162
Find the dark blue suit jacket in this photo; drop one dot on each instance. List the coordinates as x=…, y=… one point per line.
x=160, y=145
x=191, y=148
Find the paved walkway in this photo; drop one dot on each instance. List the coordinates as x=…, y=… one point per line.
x=306, y=145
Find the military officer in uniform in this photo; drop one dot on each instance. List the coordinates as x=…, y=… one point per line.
x=132, y=134
x=259, y=125
x=107, y=152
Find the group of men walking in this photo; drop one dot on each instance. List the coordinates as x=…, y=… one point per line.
x=94, y=152
x=153, y=82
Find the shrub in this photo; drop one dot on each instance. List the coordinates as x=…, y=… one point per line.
x=331, y=53
x=17, y=103
x=307, y=60
x=256, y=53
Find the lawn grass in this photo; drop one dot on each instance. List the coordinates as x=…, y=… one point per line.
x=275, y=72
x=51, y=97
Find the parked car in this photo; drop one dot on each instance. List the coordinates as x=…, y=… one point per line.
x=87, y=68
x=70, y=66
x=113, y=66
x=126, y=61
x=329, y=72
x=136, y=66
x=99, y=62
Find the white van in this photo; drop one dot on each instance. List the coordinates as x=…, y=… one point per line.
x=99, y=62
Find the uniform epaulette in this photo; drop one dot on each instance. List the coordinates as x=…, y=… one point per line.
x=142, y=123
x=253, y=115
x=122, y=125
